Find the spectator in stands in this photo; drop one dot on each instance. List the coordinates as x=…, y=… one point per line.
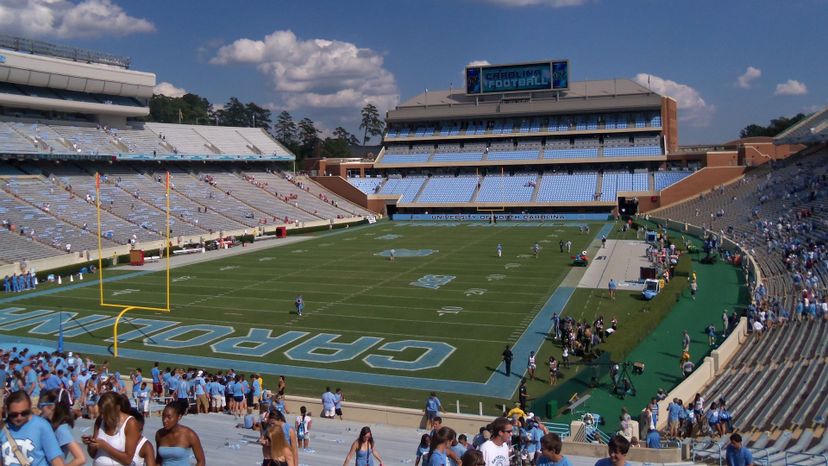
x=472, y=458
x=35, y=433
x=339, y=397
x=422, y=449
x=328, y=404
x=551, y=447
x=116, y=433
x=432, y=409
x=364, y=449
x=144, y=452
x=617, y=449
x=279, y=451
x=54, y=407
x=303, y=427
x=653, y=439
x=176, y=442
x=736, y=454
x=496, y=449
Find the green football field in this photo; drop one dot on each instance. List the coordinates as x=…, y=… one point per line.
x=451, y=291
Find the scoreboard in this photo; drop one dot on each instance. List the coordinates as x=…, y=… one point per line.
x=522, y=77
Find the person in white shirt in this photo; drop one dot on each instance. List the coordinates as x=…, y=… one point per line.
x=496, y=449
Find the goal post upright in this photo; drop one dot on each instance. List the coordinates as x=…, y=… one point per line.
x=168, y=246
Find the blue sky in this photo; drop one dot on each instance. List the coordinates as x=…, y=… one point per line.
x=325, y=59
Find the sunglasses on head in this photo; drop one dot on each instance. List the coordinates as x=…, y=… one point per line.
x=13, y=414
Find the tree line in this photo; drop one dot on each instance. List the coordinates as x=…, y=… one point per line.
x=776, y=126
x=302, y=138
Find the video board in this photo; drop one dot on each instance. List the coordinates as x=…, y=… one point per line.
x=522, y=77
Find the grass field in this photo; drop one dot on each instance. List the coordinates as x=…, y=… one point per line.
x=351, y=292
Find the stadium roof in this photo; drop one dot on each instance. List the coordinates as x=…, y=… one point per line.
x=36, y=47
x=811, y=130
x=582, y=96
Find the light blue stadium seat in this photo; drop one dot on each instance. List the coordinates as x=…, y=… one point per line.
x=585, y=152
x=578, y=187
x=514, y=155
x=405, y=158
x=449, y=189
x=507, y=189
x=664, y=179
x=457, y=157
x=407, y=187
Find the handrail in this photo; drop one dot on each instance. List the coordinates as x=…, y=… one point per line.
x=808, y=457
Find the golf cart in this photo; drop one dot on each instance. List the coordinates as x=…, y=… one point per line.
x=651, y=288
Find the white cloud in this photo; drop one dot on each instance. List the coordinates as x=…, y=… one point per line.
x=693, y=110
x=791, y=87
x=316, y=73
x=66, y=19
x=750, y=74
x=168, y=89
x=551, y=3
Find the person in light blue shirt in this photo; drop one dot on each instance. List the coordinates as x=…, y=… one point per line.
x=551, y=447
x=653, y=439
x=256, y=390
x=51, y=382
x=328, y=403
x=200, y=392
x=156, y=381
x=339, y=397
x=238, y=397
x=617, y=449
x=432, y=409
x=31, y=382
x=32, y=434
x=736, y=454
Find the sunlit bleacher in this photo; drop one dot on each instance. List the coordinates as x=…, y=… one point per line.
x=407, y=187
x=366, y=185
x=507, y=189
x=139, y=141
x=577, y=187
x=448, y=189
x=664, y=179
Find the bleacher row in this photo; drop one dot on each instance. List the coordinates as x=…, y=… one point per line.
x=530, y=125
x=777, y=387
x=139, y=141
x=523, y=188
x=44, y=207
x=394, y=156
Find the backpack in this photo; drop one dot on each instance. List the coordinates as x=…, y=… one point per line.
x=300, y=430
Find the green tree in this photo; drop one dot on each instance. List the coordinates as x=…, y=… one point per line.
x=308, y=137
x=776, y=126
x=371, y=123
x=190, y=109
x=335, y=147
x=285, y=129
x=259, y=117
x=234, y=113
x=342, y=134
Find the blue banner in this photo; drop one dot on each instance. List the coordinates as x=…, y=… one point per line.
x=501, y=217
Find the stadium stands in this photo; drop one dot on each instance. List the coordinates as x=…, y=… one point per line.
x=457, y=157
x=664, y=179
x=578, y=187
x=440, y=189
x=507, y=189
x=140, y=141
x=631, y=151
x=367, y=185
x=570, y=153
x=407, y=187
x=406, y=158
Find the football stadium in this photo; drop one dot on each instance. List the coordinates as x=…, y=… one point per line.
x=530, y=245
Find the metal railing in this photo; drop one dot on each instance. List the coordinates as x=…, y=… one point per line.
x=36, y=47
x=794, y=459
